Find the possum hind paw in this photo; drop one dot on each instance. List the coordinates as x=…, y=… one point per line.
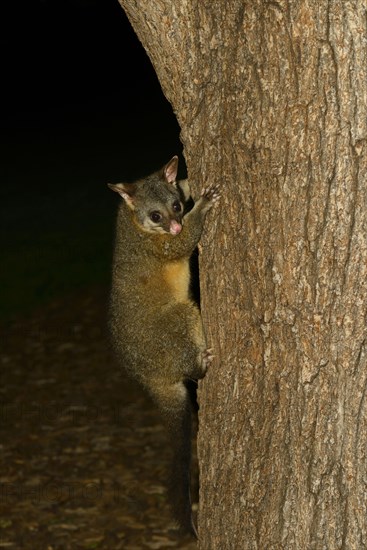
x=207, y=357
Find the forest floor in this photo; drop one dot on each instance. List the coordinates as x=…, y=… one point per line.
x=83, y=452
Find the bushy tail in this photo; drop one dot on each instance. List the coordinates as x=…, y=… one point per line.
x=177, y=414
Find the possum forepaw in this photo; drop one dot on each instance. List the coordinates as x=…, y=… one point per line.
x=211, y=193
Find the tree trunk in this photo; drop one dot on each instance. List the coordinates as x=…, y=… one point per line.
x=271, y=100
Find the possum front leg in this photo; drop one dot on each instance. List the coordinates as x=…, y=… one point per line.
x=183, y=244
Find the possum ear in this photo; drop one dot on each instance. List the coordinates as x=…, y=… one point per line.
x=126, y=190
x=170, y=170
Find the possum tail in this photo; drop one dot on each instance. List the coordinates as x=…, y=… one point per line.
x=175, y=405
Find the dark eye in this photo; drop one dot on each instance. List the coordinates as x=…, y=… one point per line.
x=155, y=216
x=176, y=206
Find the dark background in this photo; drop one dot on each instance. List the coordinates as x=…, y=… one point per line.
x=81, y=106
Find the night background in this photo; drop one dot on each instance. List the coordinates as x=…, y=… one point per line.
x=81, y=106
x=83, y=453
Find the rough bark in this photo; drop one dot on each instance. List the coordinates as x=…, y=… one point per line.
x=271, y=100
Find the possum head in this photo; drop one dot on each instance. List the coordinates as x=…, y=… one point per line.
x=157, y=201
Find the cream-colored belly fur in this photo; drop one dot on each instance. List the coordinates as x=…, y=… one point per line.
x=177, y=276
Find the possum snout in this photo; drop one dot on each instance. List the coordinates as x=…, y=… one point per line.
x=175, y=228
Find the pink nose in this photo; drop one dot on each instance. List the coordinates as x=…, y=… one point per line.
x=175, y=228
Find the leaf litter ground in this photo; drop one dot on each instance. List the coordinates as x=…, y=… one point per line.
x=83, y=451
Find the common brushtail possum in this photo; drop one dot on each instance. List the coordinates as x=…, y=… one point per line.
x=155, y=324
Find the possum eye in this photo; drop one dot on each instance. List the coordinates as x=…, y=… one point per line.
x=176, y=206
x=155, y=216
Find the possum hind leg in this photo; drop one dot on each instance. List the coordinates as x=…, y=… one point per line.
x=182, y=326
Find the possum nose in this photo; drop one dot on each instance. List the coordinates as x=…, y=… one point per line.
x=175, y=228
